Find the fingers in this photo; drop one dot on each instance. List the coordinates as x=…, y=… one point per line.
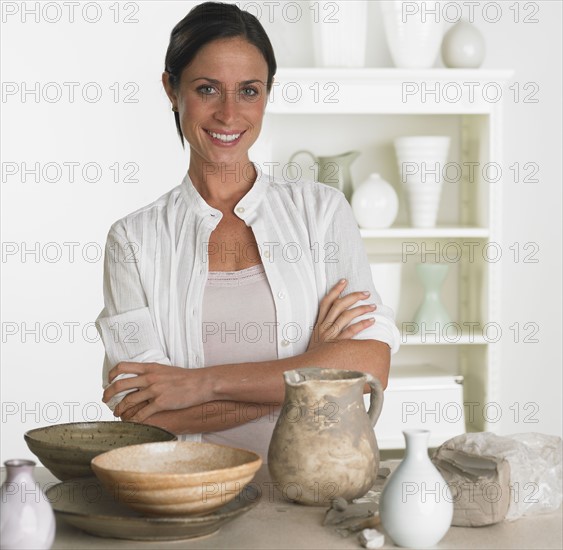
x=132, y=411
x=355, y=328
x=124, y=384
x=331, y=330
x=126, y=367
x=131, y=400
x=341, y=306
x=145, y=412
x=331, y=296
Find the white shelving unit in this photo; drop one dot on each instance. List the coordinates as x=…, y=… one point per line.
x=330, y=111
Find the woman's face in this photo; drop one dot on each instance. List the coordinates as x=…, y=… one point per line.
x=221, y=101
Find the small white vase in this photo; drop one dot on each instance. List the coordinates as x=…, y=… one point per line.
x=387, y=281
x=416, y=505
x=27, y=519
x=413, y=36
x=421, y=161
x=463, y=46
x=375, y=203
x=340, y=32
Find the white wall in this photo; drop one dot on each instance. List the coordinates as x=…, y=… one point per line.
x=53, y=375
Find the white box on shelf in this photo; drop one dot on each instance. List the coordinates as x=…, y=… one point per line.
x=420, y=397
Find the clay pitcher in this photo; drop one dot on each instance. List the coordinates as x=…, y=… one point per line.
x=334, y=170
x=323, y=445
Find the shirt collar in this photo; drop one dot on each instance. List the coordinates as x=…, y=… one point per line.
x=245, y=209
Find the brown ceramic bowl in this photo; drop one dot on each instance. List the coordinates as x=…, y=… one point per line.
x=67, y=449
x=176, y=478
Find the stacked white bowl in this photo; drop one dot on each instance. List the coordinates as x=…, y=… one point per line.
x=421, y=164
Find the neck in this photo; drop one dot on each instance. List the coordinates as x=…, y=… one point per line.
x=222, y=183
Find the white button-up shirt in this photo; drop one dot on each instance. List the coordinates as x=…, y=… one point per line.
x=156, y=265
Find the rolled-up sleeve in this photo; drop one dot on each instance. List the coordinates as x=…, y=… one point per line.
x=348, y=259
x=125, y=324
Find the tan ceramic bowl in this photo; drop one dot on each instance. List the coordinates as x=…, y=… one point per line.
x=67, y=449
x=176, y=478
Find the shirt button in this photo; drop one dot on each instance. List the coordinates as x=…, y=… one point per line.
x=281, y=295
x=240, y=209
x=212, y=214
x=266, y=254
x=285, y=343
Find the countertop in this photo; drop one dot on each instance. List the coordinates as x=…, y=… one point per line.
x=276, y=523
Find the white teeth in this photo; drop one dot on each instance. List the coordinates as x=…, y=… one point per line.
x=224, y=137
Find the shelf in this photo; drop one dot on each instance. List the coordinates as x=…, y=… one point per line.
x=313, y=90
x=452, y=232
x=431, y=339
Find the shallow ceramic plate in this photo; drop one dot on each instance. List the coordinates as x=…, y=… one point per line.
x=84, y=503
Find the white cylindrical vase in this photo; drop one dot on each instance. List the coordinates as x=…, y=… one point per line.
x=340, y=32
x=414, y=32
x=421, y=161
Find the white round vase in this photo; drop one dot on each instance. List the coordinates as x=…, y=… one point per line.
x=416, y=505
x=463, y=46
x=27, y=519
x=413, y=36
x=375, y=203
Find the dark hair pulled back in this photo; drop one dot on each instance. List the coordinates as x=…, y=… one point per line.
x=208, y=22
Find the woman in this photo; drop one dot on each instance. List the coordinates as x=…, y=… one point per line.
x=230, y=270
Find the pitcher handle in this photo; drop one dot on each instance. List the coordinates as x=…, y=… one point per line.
x=303, y=152
x=375, y=398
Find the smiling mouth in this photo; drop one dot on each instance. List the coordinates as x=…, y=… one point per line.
x=224, y=138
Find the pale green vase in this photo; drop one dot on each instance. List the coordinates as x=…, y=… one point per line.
x=432, y=311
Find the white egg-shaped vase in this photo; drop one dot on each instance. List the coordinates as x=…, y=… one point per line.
x=375, y=203
x=463, y=46
x=416, y=505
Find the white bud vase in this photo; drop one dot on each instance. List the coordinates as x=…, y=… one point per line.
x=27, y=519
x=375, y=203
x=416, y=505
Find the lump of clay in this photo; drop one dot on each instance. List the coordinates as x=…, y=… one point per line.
x=371, y=538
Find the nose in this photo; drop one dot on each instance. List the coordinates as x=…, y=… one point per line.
x=227, y=109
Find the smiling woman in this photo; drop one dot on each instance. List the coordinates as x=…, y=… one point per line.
x=232, y=277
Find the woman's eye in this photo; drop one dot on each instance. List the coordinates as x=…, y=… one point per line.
x=249, y=92
x=206, y=90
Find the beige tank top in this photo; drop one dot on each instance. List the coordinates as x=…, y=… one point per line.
x=239, y=325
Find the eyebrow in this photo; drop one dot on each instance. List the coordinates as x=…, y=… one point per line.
x=215, y=81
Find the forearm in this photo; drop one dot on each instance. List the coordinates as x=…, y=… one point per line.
x=163, y=388
x=262, y=382
x=211, y=417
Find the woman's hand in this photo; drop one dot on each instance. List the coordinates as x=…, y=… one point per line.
x=160, y=387
x=334, y=316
